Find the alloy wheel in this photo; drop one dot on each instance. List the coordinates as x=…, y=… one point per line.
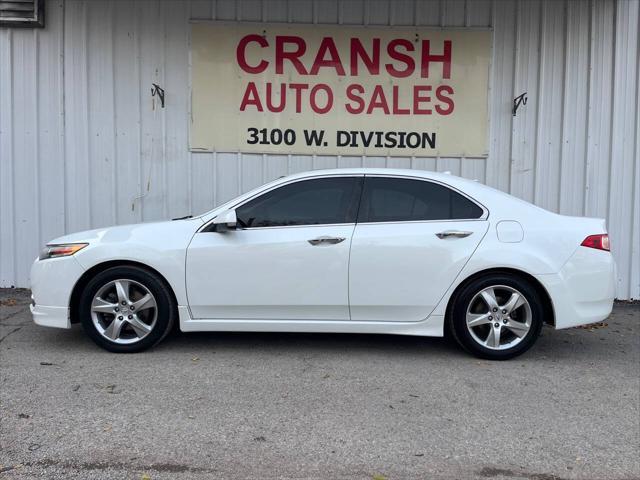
x=498, y=317
x=124, y=311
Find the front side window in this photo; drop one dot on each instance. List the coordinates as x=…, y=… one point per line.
x=318, y=201
x=404, y=200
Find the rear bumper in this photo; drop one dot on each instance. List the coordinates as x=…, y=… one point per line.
x=582, y=292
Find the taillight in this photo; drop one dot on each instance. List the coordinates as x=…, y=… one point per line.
x=600, y=241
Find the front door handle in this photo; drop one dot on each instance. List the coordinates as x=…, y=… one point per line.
x=453, y=233
x=326, y=240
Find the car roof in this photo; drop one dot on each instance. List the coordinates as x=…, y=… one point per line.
x=375, y=171
x=496, y=201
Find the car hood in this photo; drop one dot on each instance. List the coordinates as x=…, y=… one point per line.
x=122, y=233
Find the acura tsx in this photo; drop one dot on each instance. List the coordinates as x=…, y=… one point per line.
x=351, y=250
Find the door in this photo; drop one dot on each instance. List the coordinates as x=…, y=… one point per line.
x=287, y=260
x=412, y=239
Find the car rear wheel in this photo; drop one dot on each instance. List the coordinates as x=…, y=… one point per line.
x=126, y=309
x=497, y=317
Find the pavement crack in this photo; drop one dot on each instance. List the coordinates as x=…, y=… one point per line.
x=490, y=472
x=11, y=315
x=7, y=334
x=88, y=466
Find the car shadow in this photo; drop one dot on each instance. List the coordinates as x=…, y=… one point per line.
x=282, y=343
x=574, y=345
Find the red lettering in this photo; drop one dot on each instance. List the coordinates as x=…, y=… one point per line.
x=396, y=103
x=251, y=97
x=283, y=98
x=418, y=98
x=392, y=50
x=352, y=91
x=327, y=46
x=314, y=103
x=298, y=88
x=371, y=62
x=427, y=58
x=378, y=100
x=241, y=52
x=282, y=54
x=444, y=99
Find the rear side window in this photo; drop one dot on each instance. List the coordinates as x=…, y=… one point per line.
x=405, y=200
x=308, y=202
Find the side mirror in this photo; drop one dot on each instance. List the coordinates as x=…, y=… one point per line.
x=225, y=221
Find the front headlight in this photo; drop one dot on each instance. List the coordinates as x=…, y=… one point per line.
x=62, y=250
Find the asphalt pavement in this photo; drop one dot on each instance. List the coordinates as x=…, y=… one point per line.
x=263, y=406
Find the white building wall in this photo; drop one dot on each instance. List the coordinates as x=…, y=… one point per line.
x=82, y=147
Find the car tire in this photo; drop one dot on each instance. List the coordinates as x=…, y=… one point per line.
x=127, y=309
x=497, y=316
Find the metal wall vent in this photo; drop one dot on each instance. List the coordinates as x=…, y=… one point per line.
x=22, y=13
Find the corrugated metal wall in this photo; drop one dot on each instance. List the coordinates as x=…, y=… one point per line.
x=81, y=145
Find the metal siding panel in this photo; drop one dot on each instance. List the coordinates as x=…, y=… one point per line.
x=550, y=111
x=398, y=162
x=25, y=150
x=424, y=164
x=275, y=11
x=377, y=13
x=374, y=162
x=350, y=162
x=634, y=261
x=77, y=201
x=100, y=106
x=621, y=188
x=153, y=203
x=402, y=12
x=301, y=11
x=451, y=165
x=635, y=228
x=50, y=133
x=203, y=182
x=327, y=11
x=479, y=13
x=428, y=13
x=501, y=94
x=275, y=166
x=600, y=100
x=201, y=9
x=225, y=10
x=324, y=161
x=300, y=163
x=574, y=124
x=251, y=174
x=525, y=123
x=126, y=77
x=8, y=257
x=249, y=10
x=178, y=160
x=473, y=169
x=351, y=12
x=453, y=13
x=227, y=176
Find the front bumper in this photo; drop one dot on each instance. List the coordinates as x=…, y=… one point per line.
x=57, y=317
x=583, y=291
x=52, y=282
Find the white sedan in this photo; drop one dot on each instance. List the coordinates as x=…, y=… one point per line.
x=353, y=250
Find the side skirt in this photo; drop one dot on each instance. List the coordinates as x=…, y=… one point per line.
x=431, y=327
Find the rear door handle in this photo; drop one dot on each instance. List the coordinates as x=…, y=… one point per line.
x=453, y=233
x=326, y=240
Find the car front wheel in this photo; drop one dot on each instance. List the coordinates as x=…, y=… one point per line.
x=126, y=309
x=497, y=317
